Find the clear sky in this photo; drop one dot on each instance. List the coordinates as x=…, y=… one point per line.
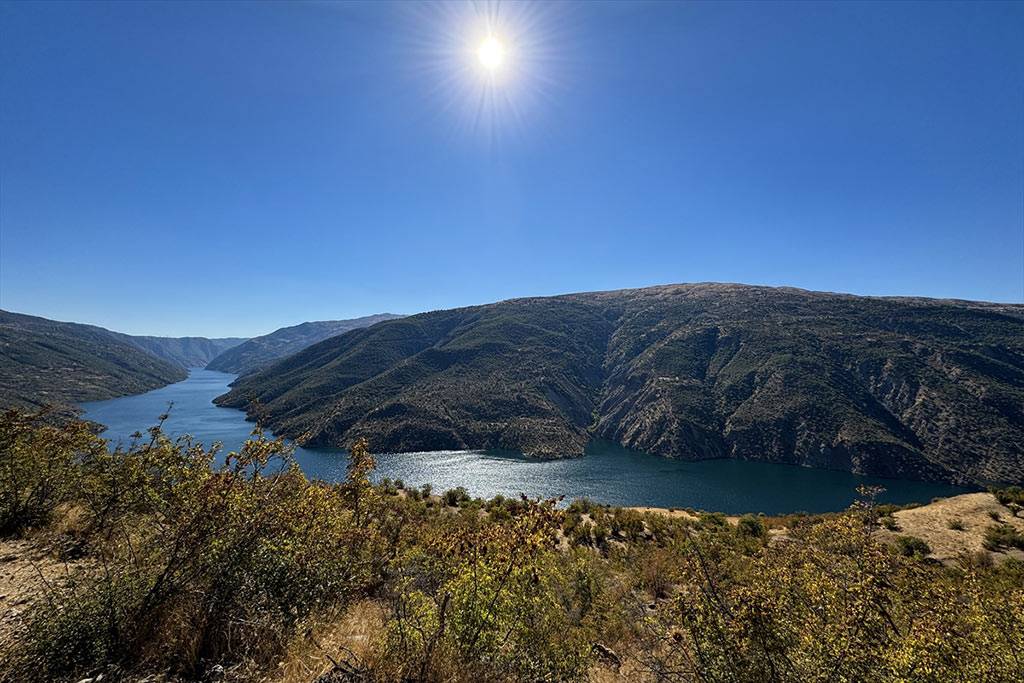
x=229, y=168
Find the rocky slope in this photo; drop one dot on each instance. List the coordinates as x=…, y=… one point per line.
x=919, y=388
x=259, y=352
x=45, y=362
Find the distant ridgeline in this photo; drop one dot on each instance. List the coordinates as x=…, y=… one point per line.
x=45, y=362
x=258, y=352
x=905, y=387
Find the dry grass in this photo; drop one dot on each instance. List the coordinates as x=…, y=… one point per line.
x=349, y=638
x=975, y=513
x=674, y=513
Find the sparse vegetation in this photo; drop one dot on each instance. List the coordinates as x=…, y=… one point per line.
x=1012, y=495
x=1002, y=537
x=200, y=566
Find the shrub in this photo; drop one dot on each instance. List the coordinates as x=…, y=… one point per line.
x=956, y=524
x=654, y=571
x=889, y=522
x=627, y=524
x=713, y=520
x=491, y=607
x=978, y=559
x=455, y=497
x=831, y=602
x=752, y=527
x=1013, y=495
x=912, y=546
x=39, y=467
x=1001, y=537
x=584, y=506
x=200, y=563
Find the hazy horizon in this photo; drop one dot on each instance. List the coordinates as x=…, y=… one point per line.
x=227, y=169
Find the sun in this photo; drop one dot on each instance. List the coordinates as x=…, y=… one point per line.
x=491, y=54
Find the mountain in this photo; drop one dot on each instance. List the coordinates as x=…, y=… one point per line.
x=905, y=387
x=259, y=352
x=187, y=352
x=48, y=362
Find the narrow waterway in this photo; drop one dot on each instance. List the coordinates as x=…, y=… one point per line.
x=608, y=473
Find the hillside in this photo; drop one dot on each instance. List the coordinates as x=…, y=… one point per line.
x=48, y=362
x=259, y=352
x=187, y=352
x=164, y=562
x=906, y=387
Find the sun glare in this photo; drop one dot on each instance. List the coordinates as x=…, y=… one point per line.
x=490, y=64
x=491, y=53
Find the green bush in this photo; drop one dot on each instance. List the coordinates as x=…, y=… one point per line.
x=1003, y=536
x=912, y=546
x=1011, y=495
x=492, y=606
x=713, y=520
x=202, y=563
x=456, y=497
x=752, y=526
x=40, y=467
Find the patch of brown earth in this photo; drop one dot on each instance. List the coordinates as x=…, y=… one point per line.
x=26, y=569
x=974, y=512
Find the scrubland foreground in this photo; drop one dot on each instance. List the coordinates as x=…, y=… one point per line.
x=166, y=560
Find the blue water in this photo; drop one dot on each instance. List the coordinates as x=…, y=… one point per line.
x=608, y=473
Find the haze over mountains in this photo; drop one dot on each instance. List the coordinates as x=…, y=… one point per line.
x=187, y=352
x=259, y=352
x=907, y=387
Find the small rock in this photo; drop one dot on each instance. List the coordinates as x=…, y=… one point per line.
x=607, y=654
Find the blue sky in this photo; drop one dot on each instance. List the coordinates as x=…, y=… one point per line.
x=225, y=169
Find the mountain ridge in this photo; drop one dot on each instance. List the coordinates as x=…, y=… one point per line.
x=258, y=352
x=53, y=363
x=894, y=386
x=186, y=352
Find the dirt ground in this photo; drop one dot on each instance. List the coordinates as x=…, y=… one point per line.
x=25, y=569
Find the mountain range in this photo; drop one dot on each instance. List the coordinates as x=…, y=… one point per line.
x=46, y=362
x=259, y=352
x=905, y=387
x=51, y=363
x=186, y=352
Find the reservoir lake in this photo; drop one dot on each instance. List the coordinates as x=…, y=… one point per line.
x=607, y=473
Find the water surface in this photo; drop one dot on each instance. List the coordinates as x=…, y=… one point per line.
x=608, y=473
